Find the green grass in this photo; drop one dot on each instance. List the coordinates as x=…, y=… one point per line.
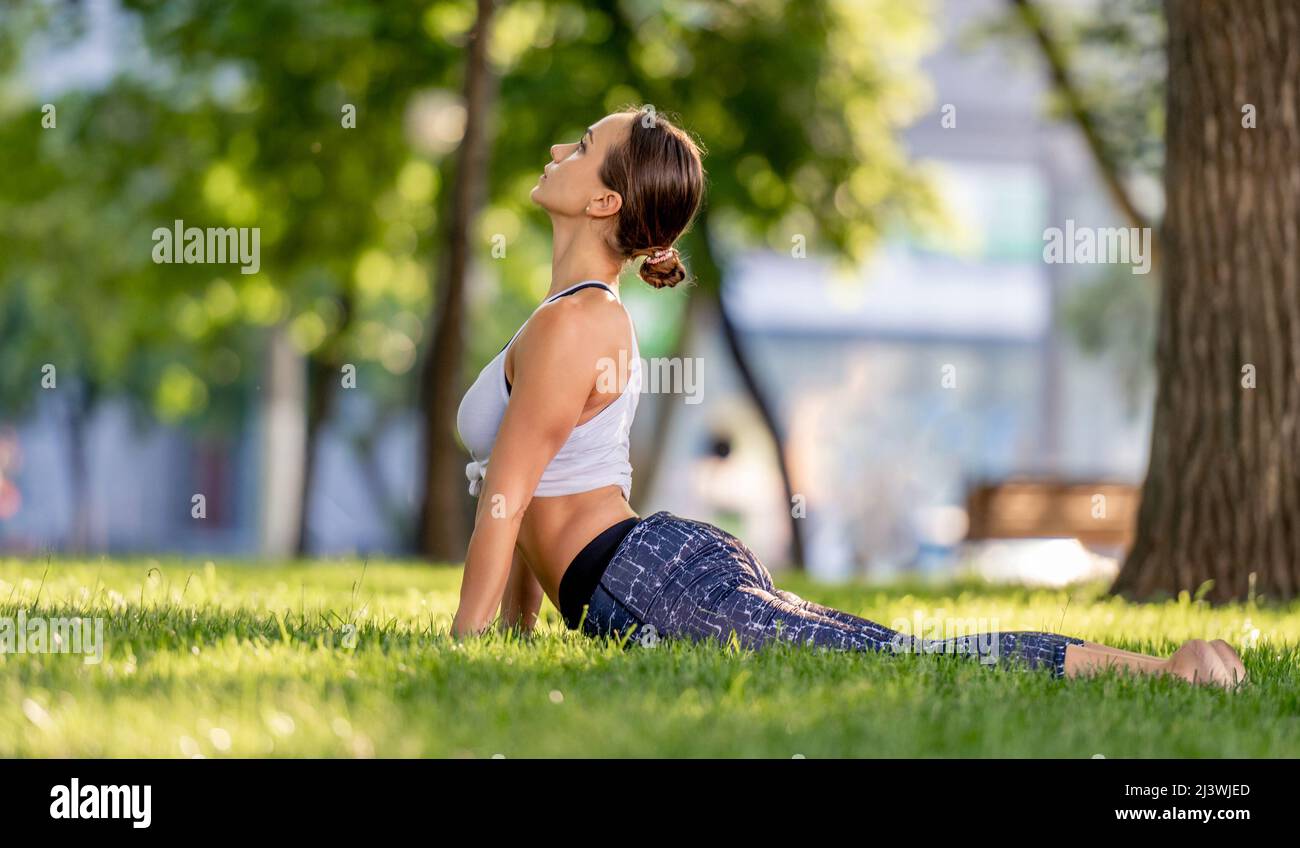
x=252, y=660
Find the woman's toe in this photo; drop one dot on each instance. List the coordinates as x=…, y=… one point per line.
x=1213, y=669
x=1231, y=660
x=1198, y=662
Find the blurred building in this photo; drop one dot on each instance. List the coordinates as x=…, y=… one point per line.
x=939, y=365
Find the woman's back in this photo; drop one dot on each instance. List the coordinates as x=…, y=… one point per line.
x=585, y=486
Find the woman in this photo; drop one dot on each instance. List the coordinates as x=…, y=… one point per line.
x=553, y=515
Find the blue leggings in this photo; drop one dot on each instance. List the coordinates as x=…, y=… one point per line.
x=675, y=577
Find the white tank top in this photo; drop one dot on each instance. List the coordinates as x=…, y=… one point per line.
x=594, y=455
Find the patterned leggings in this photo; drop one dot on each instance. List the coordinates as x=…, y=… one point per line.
x=673, y=576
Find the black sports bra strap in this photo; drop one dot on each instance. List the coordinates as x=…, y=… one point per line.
x=577, y=289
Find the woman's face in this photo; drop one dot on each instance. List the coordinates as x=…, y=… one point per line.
x=570, y=184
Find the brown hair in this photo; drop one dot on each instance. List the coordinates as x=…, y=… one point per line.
x=658, y=172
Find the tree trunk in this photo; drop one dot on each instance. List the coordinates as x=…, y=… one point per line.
x=281, y=440
x=365, y=445
x=320, y=395
x=1222, y=496
x=324, y=377
x=443, y=521
x=711, y=274
x=79, y=410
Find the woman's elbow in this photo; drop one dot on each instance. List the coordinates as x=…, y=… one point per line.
x=508, y=504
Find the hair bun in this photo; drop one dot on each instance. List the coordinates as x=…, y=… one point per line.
x=663, y=268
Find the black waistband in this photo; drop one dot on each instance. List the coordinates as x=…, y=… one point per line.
x=580, y=579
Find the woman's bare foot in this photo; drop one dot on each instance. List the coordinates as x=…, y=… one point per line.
x=1198, y=662
x=1231, y=661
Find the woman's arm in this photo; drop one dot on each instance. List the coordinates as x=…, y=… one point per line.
x=523, y=597
x=555, y=371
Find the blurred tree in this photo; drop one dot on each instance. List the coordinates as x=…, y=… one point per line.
x=294, y=119
x=1116, y=106
x=797, y=104
x=335, y=161
x=235, y=115
x=79, y=295
x=442, y=520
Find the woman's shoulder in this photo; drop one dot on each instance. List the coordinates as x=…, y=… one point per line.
x=591, y=319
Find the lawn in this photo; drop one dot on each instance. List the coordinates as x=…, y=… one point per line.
x=346, y=659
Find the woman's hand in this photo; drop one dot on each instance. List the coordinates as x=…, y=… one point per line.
x=523, y=597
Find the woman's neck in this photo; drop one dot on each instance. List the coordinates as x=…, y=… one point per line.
x=578, y=253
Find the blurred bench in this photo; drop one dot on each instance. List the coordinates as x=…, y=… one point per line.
x=1099, y=514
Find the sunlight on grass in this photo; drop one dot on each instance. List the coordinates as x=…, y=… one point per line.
x=345, y=659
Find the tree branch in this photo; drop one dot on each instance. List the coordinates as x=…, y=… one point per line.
x=1066, y=86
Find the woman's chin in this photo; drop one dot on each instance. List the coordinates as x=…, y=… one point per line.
x=539, y=198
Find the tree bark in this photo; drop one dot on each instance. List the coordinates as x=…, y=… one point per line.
x=444, y=516
x=1221, y=500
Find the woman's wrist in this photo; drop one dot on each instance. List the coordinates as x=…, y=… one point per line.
x=461, y=628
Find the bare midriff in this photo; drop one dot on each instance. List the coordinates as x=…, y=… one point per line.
x=556, y=529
